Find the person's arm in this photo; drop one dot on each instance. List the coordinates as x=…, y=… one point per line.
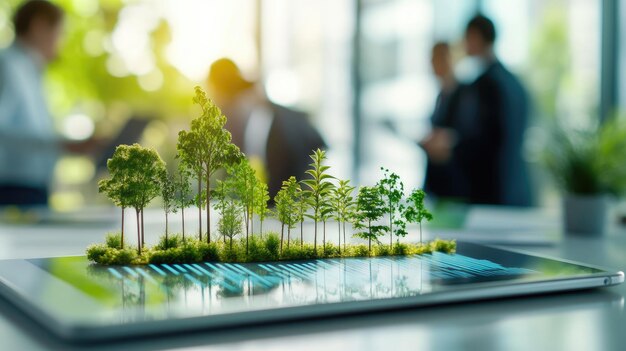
x=12, y=135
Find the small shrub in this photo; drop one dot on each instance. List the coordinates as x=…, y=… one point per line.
x=297, y=252
x=209, y=252
x=229, y=254
x=257, y=252
x=113, y=256
x=95, y=252
x=172, y=241
x=331, y=250
x=384, y=250
x=272, y=245
x=360, y=250
x=446, y=246
x=126, y=256
x=188, y=253
x=401, y=249
x=113, y=240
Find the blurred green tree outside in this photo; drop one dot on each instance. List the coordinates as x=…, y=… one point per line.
x=84, y=77
x=89, y=78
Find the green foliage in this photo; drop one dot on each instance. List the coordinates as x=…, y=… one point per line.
x=287, y=207
x=589, y=161
x=241, y=183
x=318, y=188
x=136, y=174
x=370, y=208
x=168, y=193
x=209, y=252
x=358, y=251
x=266, y=249
x=415, y=211
x=391, y=190
x=304, y=251
x=272, y=244
x=261, y=197
x=135, y=178
x=342, y=205
x=182, y=193
x=95, y=252
x=169, y=241
x=113, y=240
x=111, y=256
x=446, y=246
x=207, y=147
x=229, y=224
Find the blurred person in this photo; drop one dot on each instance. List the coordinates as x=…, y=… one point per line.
x=443, y=176
x=491, y=120
x=29, y=146
x=280, y=137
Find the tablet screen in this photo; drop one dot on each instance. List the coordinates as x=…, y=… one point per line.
x=158, y=292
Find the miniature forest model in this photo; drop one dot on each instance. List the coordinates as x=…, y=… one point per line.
x=138, y=175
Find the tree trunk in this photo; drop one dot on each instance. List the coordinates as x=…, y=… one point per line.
x=143, y=231
x=282, y=235
x=208, y=208
x=288, y=235
x=200, y=206
x=344, y=236
x=182, y=211
x=246, y=213
x=315, y=237
x=261, y=226
x=420, y=233
x=339, y=233
x=369, y=237
x=390, y=228
x=166, y=226
x=138, y=232
x=301, y=233
x=324, y=237
x=122, y=242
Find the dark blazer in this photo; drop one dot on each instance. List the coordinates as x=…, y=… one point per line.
x=492, y=116
x=446, y=180
x=291, y=140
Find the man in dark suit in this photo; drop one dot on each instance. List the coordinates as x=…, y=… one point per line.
x=280, y=137
x=490, y=122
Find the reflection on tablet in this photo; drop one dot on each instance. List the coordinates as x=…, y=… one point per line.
x=216, y=288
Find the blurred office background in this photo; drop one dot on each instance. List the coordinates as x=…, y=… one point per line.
x=352, y=65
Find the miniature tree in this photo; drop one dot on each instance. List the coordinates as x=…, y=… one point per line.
x=206, y=148
x=261, y=197
x=182, y=193
x=370, y=207
x=286, y=208
x=326, y=213
x=229, y=224
x=168, y=192
x=242, y=182
x=342, y=206
x=221, y=196
x=415, y=211
x=318, y=188
x=141, y=169
x=117, y=189
x=302, y=202
x=392, y=190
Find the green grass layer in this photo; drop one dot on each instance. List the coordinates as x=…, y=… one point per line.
x=260, y=249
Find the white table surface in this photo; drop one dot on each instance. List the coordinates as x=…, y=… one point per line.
x=587, y=320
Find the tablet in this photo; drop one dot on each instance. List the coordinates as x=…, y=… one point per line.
x=82, y=302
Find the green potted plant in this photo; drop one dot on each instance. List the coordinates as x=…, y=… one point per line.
x=590, y=166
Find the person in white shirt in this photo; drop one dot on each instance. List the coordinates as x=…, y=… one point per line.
x=29, y=146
